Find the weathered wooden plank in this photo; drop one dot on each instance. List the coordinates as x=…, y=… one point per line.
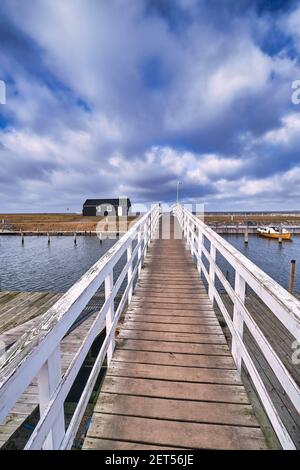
x=176, y=433
x=21, y=303
x=205, y=312
x=7, y=297
x=173, y=347
x=171, y=278
x=177, y=337
x=177, y=390
x=167, y=319
x=176, y=373
x=194, y=411
x=175, y=359
x=91, y=443
x=183, y=328
x=170, y=296
x=29, y=321
x=168, y=284
x=158, y=287
x=23, y=308
x=144, y=302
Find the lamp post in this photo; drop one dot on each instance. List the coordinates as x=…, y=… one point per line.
x=178, y=183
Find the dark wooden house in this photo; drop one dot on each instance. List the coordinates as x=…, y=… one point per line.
x=104, y=207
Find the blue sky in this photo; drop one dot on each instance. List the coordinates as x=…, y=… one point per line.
x=126, y=97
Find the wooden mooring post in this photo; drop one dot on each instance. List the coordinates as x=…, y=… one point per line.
x=75, y=238
x=246, y=235
x=280, y=235
x=292, y=275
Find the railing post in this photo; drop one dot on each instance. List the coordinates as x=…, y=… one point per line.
x=139, y=260
x=238, y=323
x=149, y=229
x=184, y=225
x=212, y=272
x=193, y=238
x=144, y=242
x=187, y=231
x=200, y=245
x=48, y=379
x=109, y=282
x=129, y=274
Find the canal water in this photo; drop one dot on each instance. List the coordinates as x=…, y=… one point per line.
x=37, y=266
x=272, y=257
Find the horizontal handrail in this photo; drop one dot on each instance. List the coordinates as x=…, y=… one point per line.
x=31, y=356
x=282, y=304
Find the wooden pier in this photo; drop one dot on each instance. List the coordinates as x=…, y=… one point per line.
x=182, y=365
x=172, y=382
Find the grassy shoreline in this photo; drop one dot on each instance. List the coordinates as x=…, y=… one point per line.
x=62, y=223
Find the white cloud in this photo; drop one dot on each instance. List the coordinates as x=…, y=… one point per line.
x=291, y=24
x=289, y=130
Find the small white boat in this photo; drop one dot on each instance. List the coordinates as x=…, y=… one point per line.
x=272, y=231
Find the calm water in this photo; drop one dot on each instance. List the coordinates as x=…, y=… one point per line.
x=270, y=256
x=39, y=267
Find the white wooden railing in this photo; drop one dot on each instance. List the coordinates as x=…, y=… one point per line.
x=37, y=353
x=284, y=306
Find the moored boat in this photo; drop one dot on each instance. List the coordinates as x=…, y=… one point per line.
x=272, y=231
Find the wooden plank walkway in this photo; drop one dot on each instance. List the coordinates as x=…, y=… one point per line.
x=172, y=382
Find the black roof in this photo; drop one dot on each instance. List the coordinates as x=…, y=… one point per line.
x=98, y=202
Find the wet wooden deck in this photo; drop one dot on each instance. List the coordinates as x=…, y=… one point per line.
x=22, y=310
x=16, y=308
x=172, y=382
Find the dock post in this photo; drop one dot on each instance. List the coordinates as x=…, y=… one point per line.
x=280, y=235
x=48, y=235
x=246, y=237
x=22, y=235
x=75, y=238
x=292, y=276
x=100, y=238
